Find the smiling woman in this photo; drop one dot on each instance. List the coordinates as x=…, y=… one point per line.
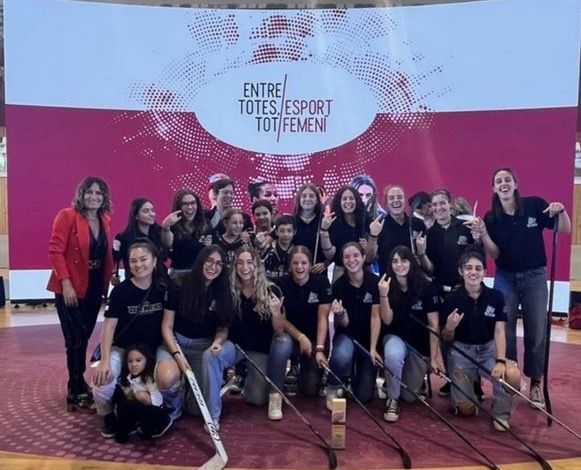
x=79, y=251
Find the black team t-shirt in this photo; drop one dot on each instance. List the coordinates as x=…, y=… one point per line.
x=249, y=330
x=519, y=237
x=358, y=302
x=480, y=315
x=404, y=326
x=393, y=234
x=203, y=328
x=124, y=304
x=302, y=302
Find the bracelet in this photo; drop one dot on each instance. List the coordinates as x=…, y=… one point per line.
x=328, y=249
x=340, y=314
x=373, y=237
x=501, y=361
x=561, y=211
x=324, y=229
x=383, y=296
x=173, y=354
x=301, y=336
x=320, y=348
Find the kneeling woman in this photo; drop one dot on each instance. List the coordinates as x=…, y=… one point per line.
x=406, y=295
x=259, y=330
x=356, y=317
x=475, y=325
x=307, y=299
x=198, y=312
x=133, y=315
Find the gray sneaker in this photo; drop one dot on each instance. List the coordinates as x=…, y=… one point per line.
x=536, y=396
x=391, y=414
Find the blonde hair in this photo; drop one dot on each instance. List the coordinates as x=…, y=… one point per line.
x=262, y=286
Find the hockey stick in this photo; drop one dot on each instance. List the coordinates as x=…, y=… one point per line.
x=544, y=464
x=549, y=321
x=422, y=400
x=502, y=381
x=405, y=458
x=330, y=452
x=220, y=459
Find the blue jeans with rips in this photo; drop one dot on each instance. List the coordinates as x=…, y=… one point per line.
x=528, y=289
x=463, y=373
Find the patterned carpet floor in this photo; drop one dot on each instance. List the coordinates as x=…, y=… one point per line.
x=33, y=420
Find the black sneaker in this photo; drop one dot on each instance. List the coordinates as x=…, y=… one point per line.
x=391, y=414
x=164, y=428
x=109, y=426
x=478, y=390
x=444, y=390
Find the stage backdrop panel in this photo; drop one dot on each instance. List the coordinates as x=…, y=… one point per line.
x=154, y=99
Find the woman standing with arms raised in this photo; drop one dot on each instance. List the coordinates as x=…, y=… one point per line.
x=80, y=254
x=512, y=234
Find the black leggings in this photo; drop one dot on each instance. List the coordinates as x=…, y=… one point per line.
x=77, y=324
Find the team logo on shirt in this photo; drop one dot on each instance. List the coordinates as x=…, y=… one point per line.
x=532, y=222
x=146, y=309
x=462, y=240
x=418, y=305
x=313, y=298
x=490, y=311
x=367, y=298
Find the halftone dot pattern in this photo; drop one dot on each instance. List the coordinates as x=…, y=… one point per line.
x=172, y=141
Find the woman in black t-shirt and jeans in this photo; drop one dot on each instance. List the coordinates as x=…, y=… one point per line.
x=197, y=314
x=512, y=234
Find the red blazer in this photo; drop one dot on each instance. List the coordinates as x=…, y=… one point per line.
x=68, y=251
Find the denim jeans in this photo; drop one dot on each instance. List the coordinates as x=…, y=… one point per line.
x=256, y=389
x=405, y=365
x=345, y=359
x=463, y=373
x=193, y=349
x=77, y=325
x=309, y=379
x=528, y=289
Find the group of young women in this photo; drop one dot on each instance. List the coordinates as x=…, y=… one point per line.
x=217, y=303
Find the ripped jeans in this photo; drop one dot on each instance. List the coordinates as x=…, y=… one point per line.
x=464, y=373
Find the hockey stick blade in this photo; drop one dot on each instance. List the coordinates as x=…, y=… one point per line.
x=215, y=463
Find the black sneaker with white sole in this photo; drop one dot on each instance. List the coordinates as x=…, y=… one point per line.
x=391, y=414
x=109, y=426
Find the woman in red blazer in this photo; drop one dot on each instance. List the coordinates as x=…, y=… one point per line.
x=81, y=258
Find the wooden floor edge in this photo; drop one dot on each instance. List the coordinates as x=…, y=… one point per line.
x=19, y=461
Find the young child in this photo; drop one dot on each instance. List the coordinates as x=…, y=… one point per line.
x=276, y=256
x=233, y=236
x=137, y=399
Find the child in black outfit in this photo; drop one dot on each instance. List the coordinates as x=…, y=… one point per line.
x=137, y=400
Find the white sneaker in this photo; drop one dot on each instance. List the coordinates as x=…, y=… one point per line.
x=275, y=407
x=496, y=423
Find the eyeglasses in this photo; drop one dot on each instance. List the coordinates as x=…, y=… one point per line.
x=210, y=262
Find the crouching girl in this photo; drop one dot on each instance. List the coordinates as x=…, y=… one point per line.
x=475, y=325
